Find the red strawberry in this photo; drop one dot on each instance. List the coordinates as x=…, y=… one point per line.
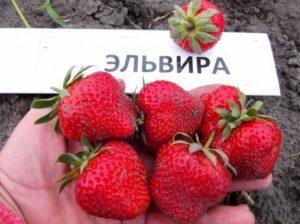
x=95, y=106
x=253, y=148
x=217, y=99
x=188, y=179
x=251, y=141
x=167, y=109
x=197, y=26
x=111, y=182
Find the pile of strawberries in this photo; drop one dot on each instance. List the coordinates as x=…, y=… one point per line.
x=200, y=143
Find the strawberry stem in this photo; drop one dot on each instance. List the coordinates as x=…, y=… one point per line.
x=209, y=141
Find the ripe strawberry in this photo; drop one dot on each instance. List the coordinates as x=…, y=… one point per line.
x=189, y=178
x=111, y=182
x=252, y=141
x=94, y=105
x=197, y=26
x=217, y=99
x=252, y=148
x=167, y=109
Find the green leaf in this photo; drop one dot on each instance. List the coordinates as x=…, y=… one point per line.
x=180, y=38
x=79, y=74
x=254, y=109
x=234, y=108
x=194, y=147
x=68, y=77
x=173, y=21
x=209, y=28
x=63, y=185
x=63, y=93
x=195, y=45
x=242, y=98
x=179, y=13
x=44, y=5
x=55, y=89
x=252, y=112
x=44, y=103
x=180, y=142
x=69, y=159
x=85, y=143
x=202, y=21
x=56, y=127
x=226, y=132
x=266, y=117
x=206, y=37
x=81, y=154
x=222, y=123
x=182, y=136
x=193, y=7
x=225, y=114
x=207, y=13
x=144, y=84
x=48, y=117
x=210, y=156
x=67, y=178
x=53, y=14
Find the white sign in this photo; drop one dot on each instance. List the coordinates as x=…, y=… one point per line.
x=32, y=60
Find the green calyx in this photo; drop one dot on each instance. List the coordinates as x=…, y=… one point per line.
x=77, y=161
x=237, y=114
x=195, y=27
x=196, y=146
x=53, y=102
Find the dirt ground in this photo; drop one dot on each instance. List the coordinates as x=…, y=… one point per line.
x=280, y=204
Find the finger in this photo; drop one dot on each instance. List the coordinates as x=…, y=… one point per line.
x=155, y=216
x=203, y=90
x=138, y=220
x=240, y=214
x=32, y=149
x=248, y=185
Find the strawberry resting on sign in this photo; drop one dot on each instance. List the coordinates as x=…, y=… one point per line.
x=197, y=26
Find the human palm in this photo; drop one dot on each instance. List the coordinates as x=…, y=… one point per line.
x=28, y=168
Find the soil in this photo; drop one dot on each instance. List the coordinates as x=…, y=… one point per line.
x=280, y=204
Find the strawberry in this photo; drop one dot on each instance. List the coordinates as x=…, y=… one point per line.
x=95, y=106
x=217, y=99
x=111, y=182
x=252, y=141
x=197, y=26
x=189, y=178
x=167, y=109
x=253, y=148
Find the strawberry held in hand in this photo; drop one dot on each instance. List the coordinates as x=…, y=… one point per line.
x=252, y=141
x=111, y=182
x=197, y=26
x=189, y=178
x=167, y=109
x=95, y=106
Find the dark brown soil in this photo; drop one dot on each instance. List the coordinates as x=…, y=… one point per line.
x=279, y=18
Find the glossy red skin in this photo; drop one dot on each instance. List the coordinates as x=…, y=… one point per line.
x=97, y=107
x=168, y=109
x=114, y=184
x=216, y=99
x=253, y=148
x=185, y=185
x=217, y=20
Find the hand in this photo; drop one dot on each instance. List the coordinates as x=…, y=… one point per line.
x=28, y=168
